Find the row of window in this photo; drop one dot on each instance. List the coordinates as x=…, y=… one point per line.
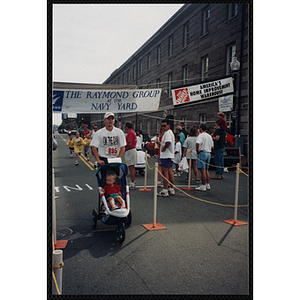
x=137, y=70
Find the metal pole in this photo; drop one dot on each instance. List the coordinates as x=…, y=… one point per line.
x=145, y=180
x=53, y=210
x=236, y=191
x=155, y=193
x=57, y=260
x=190, y=169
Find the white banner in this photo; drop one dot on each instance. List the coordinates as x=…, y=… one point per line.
x=102, y=101
x=203, y=91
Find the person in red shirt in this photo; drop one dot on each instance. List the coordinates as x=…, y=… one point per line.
x=85, y=132
x=229, y=139
x=113, y=191
x=130, y=155
x=221, y=122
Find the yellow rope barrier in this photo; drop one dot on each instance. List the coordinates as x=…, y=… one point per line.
x=55, y=283
x=206, y=201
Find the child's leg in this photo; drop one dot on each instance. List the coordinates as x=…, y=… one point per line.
x=111, y=202
x=121, y=201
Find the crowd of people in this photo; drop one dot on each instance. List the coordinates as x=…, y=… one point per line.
x=170, y=148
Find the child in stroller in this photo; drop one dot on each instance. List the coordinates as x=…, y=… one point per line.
x=105, y=213
x=113, y=191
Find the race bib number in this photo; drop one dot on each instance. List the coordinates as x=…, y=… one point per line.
x=111, y=150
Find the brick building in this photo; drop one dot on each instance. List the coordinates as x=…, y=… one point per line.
x=196, y=45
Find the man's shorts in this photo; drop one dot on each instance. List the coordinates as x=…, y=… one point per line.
x=130, y=157
x=166, y=162
x=205, y=159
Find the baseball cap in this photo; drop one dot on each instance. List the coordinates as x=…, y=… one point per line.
x=108, y=114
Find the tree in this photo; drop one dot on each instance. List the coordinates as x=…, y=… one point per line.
x=63, y=125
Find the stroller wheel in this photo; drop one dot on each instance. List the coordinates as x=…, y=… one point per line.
x=128, y=220
x=94, y=218
x=121, y=231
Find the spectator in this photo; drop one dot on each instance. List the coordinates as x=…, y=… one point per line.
x=158, y=156
x=177, y=154
x=156, y=144
x=190, y=143
x=130, y=156
x=221, y=122
x=181, y=124
x=219, y=149
x=54, y=143
x=203, y=148
x=139, y=141
x=147, y=138
x=166, y=158
x=178, y=131
x=229, y=139
x=78, y=146
x=109, y=141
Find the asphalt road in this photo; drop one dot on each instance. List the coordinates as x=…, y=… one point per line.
x=197, y=254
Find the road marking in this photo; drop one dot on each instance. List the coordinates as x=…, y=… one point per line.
x=76, y=188
x=69, y=188
x=89, y=187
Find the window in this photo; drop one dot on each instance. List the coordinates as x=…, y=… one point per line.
x=133, y=71
x=232, y=10
x=158, y=124
x=231, y=52
x=184, y=74
x=204, y=68
x=171, y=43
x=148, y=126
x=149, y=62
x=123, y=78
x=185, y=35
x=202, y=118
x=158, y=54
x=128, y=76
x=227, y=117
x=206, y=17
x=170, y=85
x=141, y=67
x=158, y=83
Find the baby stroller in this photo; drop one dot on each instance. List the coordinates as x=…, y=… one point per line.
x=119, y=217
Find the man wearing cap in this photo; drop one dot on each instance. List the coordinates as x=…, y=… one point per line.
x=108, y=142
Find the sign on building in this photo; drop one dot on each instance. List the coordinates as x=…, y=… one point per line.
x=226, y=103
x=207, y=90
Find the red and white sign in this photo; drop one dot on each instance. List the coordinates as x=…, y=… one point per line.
x=182, y=96
x=204, y=91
